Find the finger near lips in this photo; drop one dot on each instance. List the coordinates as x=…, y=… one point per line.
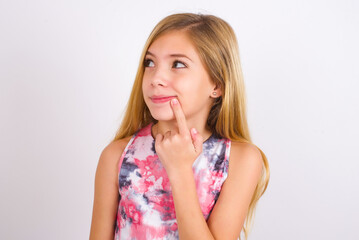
x=180, y=117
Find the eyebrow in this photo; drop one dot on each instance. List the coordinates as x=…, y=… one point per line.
x=171, y=55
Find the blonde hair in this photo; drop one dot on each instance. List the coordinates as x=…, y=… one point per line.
x=217, y=46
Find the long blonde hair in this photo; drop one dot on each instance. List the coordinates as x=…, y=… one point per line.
x=217, y=46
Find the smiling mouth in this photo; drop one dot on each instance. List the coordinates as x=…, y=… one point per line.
x=161, y=99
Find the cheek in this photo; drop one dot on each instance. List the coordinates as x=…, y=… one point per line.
x=194, y=91
x=145, y=88
x=144, y=93
x=195, y=98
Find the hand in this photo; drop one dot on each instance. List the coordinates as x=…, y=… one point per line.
x=177, y=150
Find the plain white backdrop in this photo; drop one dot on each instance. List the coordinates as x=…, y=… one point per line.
x=66, y=71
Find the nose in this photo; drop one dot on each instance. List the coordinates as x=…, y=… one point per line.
x=159, y=77
x=157, y=82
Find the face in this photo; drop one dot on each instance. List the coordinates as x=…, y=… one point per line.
x=173, y=69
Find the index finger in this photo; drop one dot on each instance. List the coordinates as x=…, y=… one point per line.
x=180, y=117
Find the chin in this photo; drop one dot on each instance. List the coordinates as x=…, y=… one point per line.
x=162, y=116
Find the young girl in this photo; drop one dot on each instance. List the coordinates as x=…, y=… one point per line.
x=182, y=165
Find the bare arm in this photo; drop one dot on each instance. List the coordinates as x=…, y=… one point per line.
x=227, y=217
x=245, y=169
x=177, y=150
x=106, y=192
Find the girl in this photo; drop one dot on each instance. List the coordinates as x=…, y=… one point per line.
x=182, y=165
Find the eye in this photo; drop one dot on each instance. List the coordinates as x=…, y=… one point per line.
x=179, y=62
x=146, y=62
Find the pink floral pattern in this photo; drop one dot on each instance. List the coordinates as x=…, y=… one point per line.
x=146, y=208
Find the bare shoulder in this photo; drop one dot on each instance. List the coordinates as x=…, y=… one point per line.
x=107, y=167
x=245, y=154
x=111, y=154
x=116, y=147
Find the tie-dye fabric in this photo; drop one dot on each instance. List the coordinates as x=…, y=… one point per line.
x=146, y=208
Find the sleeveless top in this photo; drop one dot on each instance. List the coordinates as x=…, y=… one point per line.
x=146, y=209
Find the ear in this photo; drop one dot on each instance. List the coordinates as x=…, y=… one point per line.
x=216, y=92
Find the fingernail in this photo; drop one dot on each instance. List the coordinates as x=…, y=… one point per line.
x=194, y=131
x=174, y=101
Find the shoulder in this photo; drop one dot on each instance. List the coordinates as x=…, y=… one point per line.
x=245, y=157
x=116, y=147
x=111, y=154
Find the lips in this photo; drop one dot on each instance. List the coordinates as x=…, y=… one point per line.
x=161, y=98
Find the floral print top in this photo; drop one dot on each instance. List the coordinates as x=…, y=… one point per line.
x=146, y=208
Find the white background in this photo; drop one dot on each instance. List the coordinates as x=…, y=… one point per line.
x=66, y=70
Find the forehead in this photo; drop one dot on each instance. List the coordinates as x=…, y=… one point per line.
x=173, y=42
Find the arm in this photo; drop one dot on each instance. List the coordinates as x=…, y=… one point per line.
x=228, y=215
x=106, y=192
x=177, y=152
x=190, y=220
x=244, y=172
